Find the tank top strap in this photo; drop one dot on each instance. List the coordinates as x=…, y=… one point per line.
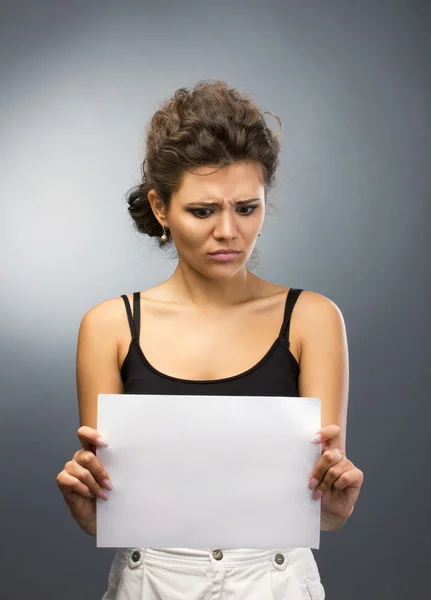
x=291, y=299
x=137, y=313
x=135, y=320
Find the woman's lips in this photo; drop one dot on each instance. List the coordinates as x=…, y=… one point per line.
x=224, y=256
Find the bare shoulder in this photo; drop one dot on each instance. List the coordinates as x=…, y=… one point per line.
x=315, y=305
x=310, y=305
x=107, y=315
x=318, y=316
x=110, y=314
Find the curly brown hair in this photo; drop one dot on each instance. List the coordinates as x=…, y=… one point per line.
x=209, y=124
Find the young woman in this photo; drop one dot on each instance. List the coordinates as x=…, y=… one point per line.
x=212, y=328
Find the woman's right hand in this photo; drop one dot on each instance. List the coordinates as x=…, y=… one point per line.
x=83, y=479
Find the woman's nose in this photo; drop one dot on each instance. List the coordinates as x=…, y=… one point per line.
x=225, y=227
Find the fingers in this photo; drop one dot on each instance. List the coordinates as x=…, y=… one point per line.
x=330, y=466
x=352, y=478
x=333, y=474
x=87, y=463
x=326, y=434
x=69, y=485
x=90, y=438
x=85, y=475
x=91, y=478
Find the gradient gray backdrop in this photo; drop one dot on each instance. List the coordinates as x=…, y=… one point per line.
x=351, y=83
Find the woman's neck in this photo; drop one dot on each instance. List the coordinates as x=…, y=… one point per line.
x=193, y=287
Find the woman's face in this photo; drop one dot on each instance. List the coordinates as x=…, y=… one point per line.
x=217, y=211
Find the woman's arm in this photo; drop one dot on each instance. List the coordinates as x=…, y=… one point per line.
x=97, y=370
x=324, y=360
x=324, y=374
x=83, y=478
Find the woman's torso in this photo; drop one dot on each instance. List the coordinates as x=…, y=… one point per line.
x=262, y=358
x=250, y=349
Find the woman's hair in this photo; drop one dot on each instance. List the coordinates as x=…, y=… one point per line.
x=207, y=125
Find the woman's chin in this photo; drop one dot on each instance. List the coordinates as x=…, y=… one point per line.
x=223, y=271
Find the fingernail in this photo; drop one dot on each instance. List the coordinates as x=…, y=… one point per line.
x=102, y=495
x=317, y=495
x=89, y=495
x=102, y=442
x=107, y=484
x=316, y=439
x=313, y=483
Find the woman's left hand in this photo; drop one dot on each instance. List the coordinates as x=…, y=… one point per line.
x=335, y=479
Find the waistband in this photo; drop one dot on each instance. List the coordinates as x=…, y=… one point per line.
x=233, y=556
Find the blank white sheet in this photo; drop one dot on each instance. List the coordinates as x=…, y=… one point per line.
x=208, y=471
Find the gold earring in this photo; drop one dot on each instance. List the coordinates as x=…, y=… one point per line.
x=163, y=237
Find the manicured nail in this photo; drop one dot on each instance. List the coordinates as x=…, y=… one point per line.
x=313, y=483
x=316, y=439
x=318, y=494
x=107, y=485
x=102, y=442
x=102, y=495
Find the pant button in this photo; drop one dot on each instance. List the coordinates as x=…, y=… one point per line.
x=136, y=556
x=279, y=559
x=218, y=554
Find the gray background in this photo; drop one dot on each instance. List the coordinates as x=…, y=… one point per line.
x=351, y=83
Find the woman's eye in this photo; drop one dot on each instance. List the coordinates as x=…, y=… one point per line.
x=202, y=213
x=196, y=212
x=247, y=208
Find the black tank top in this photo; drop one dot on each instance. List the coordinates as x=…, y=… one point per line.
x=276, y=374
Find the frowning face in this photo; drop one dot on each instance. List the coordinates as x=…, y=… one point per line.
x=215, y=217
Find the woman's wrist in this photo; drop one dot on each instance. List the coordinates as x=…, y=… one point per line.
x=329, y=522
x=90, y=527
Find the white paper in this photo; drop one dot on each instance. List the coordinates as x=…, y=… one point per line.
x=208, y=471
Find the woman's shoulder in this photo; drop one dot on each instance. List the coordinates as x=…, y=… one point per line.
x=112, y=310
x=316, y=312
x=106, y=315
x=308, y=297
x=310, y=306
x=317, y=302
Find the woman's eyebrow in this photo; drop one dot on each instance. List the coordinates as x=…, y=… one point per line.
x=238, y=202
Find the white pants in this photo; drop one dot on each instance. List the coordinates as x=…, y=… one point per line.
x=185, y=574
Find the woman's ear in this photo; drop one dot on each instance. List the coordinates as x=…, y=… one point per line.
x=157, y=207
